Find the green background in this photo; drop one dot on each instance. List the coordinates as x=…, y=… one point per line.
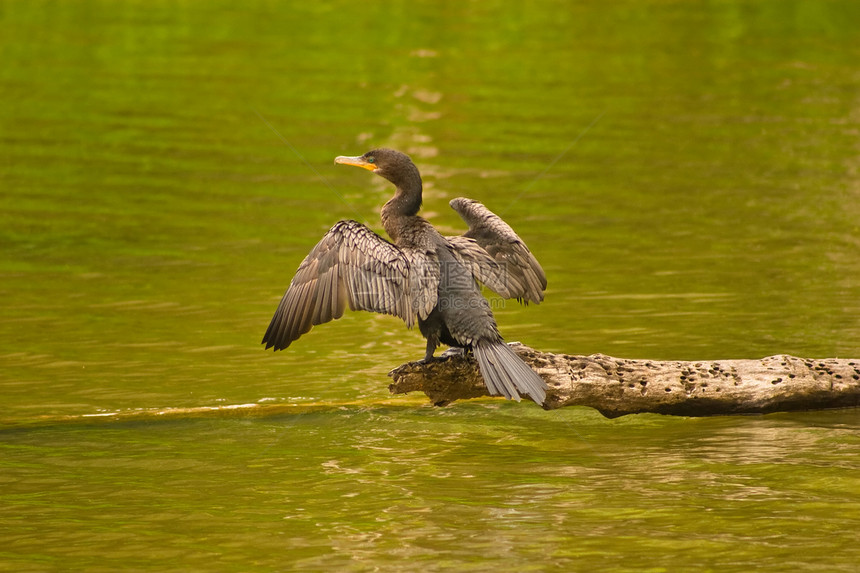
x=686, y=172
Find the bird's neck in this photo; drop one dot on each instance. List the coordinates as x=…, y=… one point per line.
x=401, y=209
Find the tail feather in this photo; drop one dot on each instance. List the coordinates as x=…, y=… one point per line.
x=496, y=378
x=506, y=374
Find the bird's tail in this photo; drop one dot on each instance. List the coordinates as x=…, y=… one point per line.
x=506, y=374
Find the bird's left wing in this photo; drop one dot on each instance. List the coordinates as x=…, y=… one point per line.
x=352, y=265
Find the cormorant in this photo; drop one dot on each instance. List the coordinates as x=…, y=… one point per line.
x=420, y=277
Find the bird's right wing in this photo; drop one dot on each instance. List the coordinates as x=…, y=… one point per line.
x=518, y=271
x=484, y=267
x=352, y=265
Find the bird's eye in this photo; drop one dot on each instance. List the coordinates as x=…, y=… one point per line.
x=371, y=160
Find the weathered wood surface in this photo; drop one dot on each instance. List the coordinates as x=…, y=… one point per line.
x=616, y=386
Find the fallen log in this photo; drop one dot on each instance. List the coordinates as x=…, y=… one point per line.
x=616, y=386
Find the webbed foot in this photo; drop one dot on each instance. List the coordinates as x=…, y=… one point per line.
x=454, y=351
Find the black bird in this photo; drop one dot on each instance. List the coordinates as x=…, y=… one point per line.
x=421, y=277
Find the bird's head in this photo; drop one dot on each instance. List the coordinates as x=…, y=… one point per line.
x=395, y=166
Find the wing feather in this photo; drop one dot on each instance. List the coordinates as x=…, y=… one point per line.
x=424, y=281
x=353, y=266
x=484, y=267
x=517, y=273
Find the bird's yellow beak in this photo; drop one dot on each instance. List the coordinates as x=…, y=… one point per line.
x=356, y=161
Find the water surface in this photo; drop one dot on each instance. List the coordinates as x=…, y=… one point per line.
x=686, y=172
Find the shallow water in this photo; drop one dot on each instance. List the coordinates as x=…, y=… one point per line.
x=686, y=173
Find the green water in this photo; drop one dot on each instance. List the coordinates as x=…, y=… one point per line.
x=687, y=173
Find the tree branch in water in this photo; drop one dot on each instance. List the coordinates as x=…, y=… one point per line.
x=616, y=386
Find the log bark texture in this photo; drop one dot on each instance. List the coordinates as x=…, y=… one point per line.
x=617, y=386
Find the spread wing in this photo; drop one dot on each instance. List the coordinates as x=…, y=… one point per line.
x=352, y=265
x=483, y=266
x=517, y=273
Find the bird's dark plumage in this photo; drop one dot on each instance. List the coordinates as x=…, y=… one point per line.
x=421, y=277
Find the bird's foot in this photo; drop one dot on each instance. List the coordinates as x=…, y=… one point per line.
x=450, y=353
x=454, y=351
